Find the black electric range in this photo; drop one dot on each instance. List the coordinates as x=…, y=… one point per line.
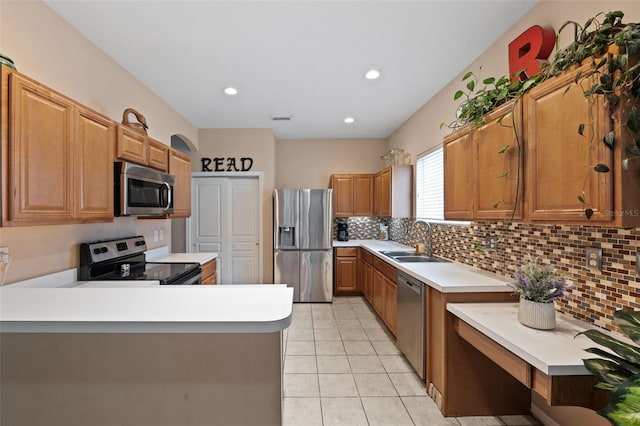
x=125, y=259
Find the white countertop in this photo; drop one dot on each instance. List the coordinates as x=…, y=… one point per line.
x=162, y=255
x=556, y=352
x=446, y=277
x=259, y=308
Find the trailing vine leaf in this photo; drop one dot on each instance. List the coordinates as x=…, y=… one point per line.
x=504, y=174
x=581, y=129
x=609, y=139
x=458, y=95
x=633, y=150
x=504, y=149
x=633, y=120
x=588, y=213
x=581, y=199
x=601, y=168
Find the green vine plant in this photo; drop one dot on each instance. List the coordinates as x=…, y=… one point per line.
x=616, y=77
x=480, y=100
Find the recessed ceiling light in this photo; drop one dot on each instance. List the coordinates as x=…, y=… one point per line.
x=349, y=120
x=230, y=91
x=372, y=74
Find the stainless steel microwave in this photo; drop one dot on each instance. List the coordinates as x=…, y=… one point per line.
x=142, y=191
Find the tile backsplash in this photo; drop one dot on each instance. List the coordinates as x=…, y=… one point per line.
x=360, y=228
x=596, y=294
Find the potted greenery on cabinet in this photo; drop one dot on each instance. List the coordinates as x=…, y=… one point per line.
x=580, y=136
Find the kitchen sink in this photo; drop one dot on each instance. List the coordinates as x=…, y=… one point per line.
x=416, y=258
x=411, y=256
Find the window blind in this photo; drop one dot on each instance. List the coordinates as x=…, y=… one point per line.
x=430, y=185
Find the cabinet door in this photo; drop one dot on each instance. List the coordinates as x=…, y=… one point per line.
x=458, y=176
x=157, y=155
x=498, y=171
x=378, y=293
x=363, y=195
x=94, y=147
x=131, y=146
x=40, y=154
x=559, y=160
x=180, y=167
x=391, y=305
x=346, y=274
x=377, y=194
x=384, y=192
x=367, y=281
x=342, y=195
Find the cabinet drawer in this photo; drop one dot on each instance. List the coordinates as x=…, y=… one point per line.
x=366, y=256
x=346, y=251
x=386, y=269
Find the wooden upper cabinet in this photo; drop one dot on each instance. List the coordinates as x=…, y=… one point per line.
x=94, y=155
x=132, y=146
x=560, y=161
x=499, y=169
x=393, y=192
x=59, y=167
x=384, y=192
x=342, y=195
x=458, y=175
x=40, y=151
x=157, y=155
x=363, y=195
x=180, y=167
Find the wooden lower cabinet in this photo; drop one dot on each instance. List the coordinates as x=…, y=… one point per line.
x=385, y=300
x=209, y=272
x=451, y=362
x=365, y=277
x=391, y=304
x=378, y=293
x=346, y=270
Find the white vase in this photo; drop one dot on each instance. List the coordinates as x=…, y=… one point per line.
x=541, y=316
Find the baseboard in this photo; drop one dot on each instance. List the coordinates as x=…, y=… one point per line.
x=542, y=417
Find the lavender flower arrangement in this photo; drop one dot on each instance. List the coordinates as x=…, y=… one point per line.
x=539, y=283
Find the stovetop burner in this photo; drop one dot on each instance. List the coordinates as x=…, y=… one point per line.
x=124, y=259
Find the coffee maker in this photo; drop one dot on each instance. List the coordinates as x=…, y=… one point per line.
x=343, y=232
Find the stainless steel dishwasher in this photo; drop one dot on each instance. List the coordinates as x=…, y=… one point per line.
x=410, y=327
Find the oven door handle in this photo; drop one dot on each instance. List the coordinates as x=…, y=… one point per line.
x=168, y=196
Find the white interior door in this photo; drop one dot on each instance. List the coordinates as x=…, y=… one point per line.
x=226, y=218
x=243, y=201
x=207, y=215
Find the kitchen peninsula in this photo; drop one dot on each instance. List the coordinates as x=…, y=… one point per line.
x=188, y=355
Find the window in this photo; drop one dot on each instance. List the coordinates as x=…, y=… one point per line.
x=430, y=185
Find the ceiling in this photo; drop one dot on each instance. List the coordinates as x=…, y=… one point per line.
x=300, y=59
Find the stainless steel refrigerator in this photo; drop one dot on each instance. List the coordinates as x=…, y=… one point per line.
x=303, y=237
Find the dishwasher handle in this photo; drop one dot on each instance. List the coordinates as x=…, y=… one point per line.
x=415, y=286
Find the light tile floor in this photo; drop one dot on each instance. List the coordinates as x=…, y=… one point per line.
x=342, y=368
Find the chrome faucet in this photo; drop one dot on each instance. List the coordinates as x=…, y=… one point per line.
x=429, y=239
